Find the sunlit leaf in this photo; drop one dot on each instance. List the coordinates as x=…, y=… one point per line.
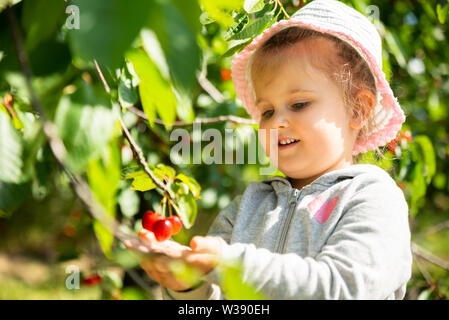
x=126, y=93
x=254, y=28
x=5, y=3
x=188, y=210
x=428, y=156
x=185, y=273
x=233, y=286
x=104, y=176
x=155, y=91
x=220, y=10
x=129, y=202
x=396, y=48
x=141, y=181
x=442, y=12
x=251, y=6
x=191, y=183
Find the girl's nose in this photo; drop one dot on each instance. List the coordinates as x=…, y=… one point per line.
x=281, y=119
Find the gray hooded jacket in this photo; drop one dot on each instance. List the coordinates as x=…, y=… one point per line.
x=344, y=236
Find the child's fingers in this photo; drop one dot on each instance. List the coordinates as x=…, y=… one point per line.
x=147, y=236
x=205, y=244
x=128, y=244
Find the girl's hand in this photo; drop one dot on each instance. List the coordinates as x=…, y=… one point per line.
x=203, y=254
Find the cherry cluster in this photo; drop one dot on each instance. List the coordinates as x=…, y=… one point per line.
x=162, y=227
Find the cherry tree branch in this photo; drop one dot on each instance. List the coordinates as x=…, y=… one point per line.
x=79, y=186
x=231, y=118
x=136, y=149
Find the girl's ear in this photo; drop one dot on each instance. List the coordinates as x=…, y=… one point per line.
x=365, y=105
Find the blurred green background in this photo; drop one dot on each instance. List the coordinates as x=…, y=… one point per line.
x=167, y=61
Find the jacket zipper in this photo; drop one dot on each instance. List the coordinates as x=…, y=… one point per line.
x=286, y=225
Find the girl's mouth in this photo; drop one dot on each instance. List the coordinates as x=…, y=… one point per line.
x=288, y=145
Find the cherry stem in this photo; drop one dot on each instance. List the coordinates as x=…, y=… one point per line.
x=159, y=205
x=169, y=209
x=164, y=201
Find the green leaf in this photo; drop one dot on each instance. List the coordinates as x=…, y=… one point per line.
x=184, y=272
x=188, y=210
x=184, y=107
x=141, y=181
x=191, y=11
x=12, y=195
x=85, y=123
x=37, y=28
x=255, y=28
x=396, y=48
x=220, y=10
x=442, y=12
x=241, y=21
x=193, y=185
x=11, y=151
x=108, y=28
x=178, y=41
x=5, y=3
x=126, y=94
x=105, y=237
x=236, y=46
x=129, y=203
x=425, y=295
x=165, y=171
x=251, y=6
x=155, y=91
x=232, y=284
x=427, y=155
x=104, y=176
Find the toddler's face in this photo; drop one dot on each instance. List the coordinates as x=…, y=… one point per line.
x=302, y=103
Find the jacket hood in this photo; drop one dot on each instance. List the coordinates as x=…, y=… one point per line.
x=283, y=184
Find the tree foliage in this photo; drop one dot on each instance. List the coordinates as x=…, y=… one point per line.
x=158, y=63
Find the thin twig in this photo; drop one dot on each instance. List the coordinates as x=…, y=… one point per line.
x=206, y=84
x=424, y=272
x=433, y=229
x=105, y=84
x=232, y=118
x=282, y=8
x=429, y=256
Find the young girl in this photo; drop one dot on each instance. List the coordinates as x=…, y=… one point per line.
x=332, y=229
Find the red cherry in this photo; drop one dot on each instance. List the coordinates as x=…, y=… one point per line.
x=225, y=74
x=392, y=146
x=93, y=280
x=407, y=135
x=149, y=218
x=176, y=223
x=163, y=229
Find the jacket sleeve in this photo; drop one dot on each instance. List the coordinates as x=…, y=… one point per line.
x=221, y=227
x=368, y=256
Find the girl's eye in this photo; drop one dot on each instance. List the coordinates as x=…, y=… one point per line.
x=300, y=105
x=267, y=113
